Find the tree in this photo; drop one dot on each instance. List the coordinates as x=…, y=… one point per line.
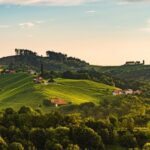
x=128, y=123
x=114, y=121
x=91, y=139
x=57, y=147
x=15, y=146
x=56, y=56
x=25, y=110
x=142, y=138
x=72, y=147
x=128, y=140
x=146, y=146
x=38, y=137
x=3, y=144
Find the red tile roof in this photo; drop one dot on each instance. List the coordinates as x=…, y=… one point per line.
x=58, y=101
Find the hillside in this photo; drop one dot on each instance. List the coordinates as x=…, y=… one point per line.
x=53, y=61
x=127, y=72
x=18, y=89
x=59, y=62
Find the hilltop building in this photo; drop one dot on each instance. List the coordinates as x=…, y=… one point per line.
x=135, y=63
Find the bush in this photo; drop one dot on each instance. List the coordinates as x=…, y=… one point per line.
x=15, y=146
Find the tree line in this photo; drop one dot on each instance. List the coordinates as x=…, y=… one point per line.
x=28, y=129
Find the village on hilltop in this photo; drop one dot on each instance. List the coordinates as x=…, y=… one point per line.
x=135, y=63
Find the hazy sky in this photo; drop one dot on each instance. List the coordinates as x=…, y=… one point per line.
x=102, y=32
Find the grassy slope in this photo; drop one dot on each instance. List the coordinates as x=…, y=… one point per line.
x=18, y=89
x=77, y=91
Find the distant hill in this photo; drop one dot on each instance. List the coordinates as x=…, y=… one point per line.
x=18, y=89
x=124, y=76
x=53, y=61
x=127, y=72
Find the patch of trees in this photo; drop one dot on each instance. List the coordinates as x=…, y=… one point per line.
x=70, y=61
x=121, y=106
x=129, y=84
x=25, y=52
x=28, y=129
x=56, y=56
x=90, y=74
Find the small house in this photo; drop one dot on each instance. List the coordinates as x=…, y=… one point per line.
x=128, y=92
x=38, y=80
x=138, y=92
x=7, y=71
x=58, y=102
x=130, y=63
x=32, y=72
x=117, y=92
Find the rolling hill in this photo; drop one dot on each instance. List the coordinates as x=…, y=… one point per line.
x=127, y=72
x=18, y=89
x=53, y=61
x=59, y=63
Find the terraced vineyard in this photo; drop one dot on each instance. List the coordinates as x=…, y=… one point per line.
x=18, y=90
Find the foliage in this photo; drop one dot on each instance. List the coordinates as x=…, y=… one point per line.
x=28, y=129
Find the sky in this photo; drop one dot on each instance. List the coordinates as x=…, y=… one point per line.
x=102, y=32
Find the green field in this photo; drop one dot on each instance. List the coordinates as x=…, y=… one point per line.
x=18, y=90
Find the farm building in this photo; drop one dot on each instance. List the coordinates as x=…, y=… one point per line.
x=58, y=102
x=38, y=80
x=126, y=92
x=7, y=71
x=138, y=92
x=117, y=92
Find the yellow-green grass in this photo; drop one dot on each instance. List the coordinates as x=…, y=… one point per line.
x=19, y=89
x=77, y=91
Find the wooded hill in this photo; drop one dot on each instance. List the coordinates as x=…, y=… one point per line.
x=25, y=59
x=128, y=72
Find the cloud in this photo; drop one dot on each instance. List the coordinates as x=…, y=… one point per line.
x=46, y=2
x=27, y=25
x=123, y=3
x=39, y=22
x=31, y=24
x=90, y=12
x=4, y=26
x=147, y=28
x=128, y=2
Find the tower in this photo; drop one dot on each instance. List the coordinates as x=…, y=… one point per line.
x=143, y=62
